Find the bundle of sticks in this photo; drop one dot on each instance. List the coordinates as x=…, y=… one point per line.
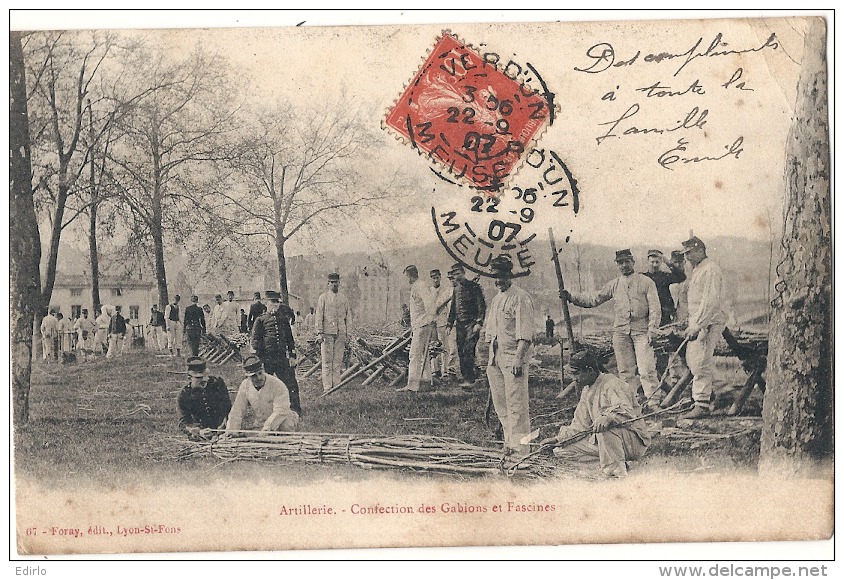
x=422, y=453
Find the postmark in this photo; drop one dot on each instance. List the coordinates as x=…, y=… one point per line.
x=471, y=114
x=476, y=230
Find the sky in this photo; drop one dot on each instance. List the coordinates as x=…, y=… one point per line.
x=626, y=197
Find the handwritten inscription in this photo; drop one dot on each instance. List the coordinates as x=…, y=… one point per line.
x=636, y=120
x=603, y=55
x=678, y=154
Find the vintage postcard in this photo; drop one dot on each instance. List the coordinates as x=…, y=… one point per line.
x=420, y=285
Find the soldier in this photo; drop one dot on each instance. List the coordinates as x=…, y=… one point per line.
x=442, y=296
x=204, y=403
x=467, y=313
x=84, y=328
x=256, y=309
x=194, y=325
x=156, y=327
x=605, y=402
x=272, y=341
x=637, y=315
x=706, y=323
x=332, y=326
x=422, y=323
x=664, y=280
x=231, y=316
x=116, y=333
x=173, y=319
x=49, y=333
x=103, y=322
x=509, y=329
x=266, y=395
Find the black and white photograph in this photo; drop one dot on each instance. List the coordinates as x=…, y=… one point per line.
x=341, y=283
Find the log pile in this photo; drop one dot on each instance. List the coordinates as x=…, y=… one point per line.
x=421, y=453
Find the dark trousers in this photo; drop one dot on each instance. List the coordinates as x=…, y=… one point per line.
x=280, y=367
x=193, y=335
x=467, y=342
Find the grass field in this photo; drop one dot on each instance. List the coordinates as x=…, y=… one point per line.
x=115, y=422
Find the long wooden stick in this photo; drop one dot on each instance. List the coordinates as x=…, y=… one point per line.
x=585, y=433
x=566, y=315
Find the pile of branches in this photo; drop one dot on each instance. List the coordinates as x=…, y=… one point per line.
x=669, y=339
x=421, y=453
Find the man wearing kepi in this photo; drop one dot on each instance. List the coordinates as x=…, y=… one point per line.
x=422, y=322
x=637, y=315
x=509, y=329
x=272, y=341
x=266, y=395
x=664, y=280
x=442, y=295
x=204, y=403
x=466, y=315
x=706, y=323
x=332, y=326
x=194, y=325
x=605, y=403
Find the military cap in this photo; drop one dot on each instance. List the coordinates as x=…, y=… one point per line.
x=412, y=270
x=583, y=360
x=502, y=265
x=655, y=253
x=622, y=255
x=334, y=276
x=677, y=255
x=272, y=295
x=197, y=366
x=693, y=243
x=252, y=365
x=457, y=267
x=436, y=271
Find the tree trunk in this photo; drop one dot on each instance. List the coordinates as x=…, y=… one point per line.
x=160, y=272
x=282, y=269
x=797, y=410
x=157, y=232
x=24, y=240
x=95, y=261
x=55, y=238
x=92, y=222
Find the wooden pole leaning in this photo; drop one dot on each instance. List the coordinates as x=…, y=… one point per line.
x=555, y=257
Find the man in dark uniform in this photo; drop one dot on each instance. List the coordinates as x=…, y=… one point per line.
x=204, y=403
x=664, y=280
x=272, y=341
x=256, y=309
x=194, y=325
x=468, y=310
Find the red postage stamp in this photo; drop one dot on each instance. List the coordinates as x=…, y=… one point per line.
x=469, y=114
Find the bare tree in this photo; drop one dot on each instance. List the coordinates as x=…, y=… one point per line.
x=304, y=171
x=164, y=162
x=63, y=67
x=797, y=410
x=24, y=241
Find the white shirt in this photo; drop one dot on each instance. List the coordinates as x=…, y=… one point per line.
x=706, y=295
x=270, y=405
x=421, y=305
x=332, y=313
